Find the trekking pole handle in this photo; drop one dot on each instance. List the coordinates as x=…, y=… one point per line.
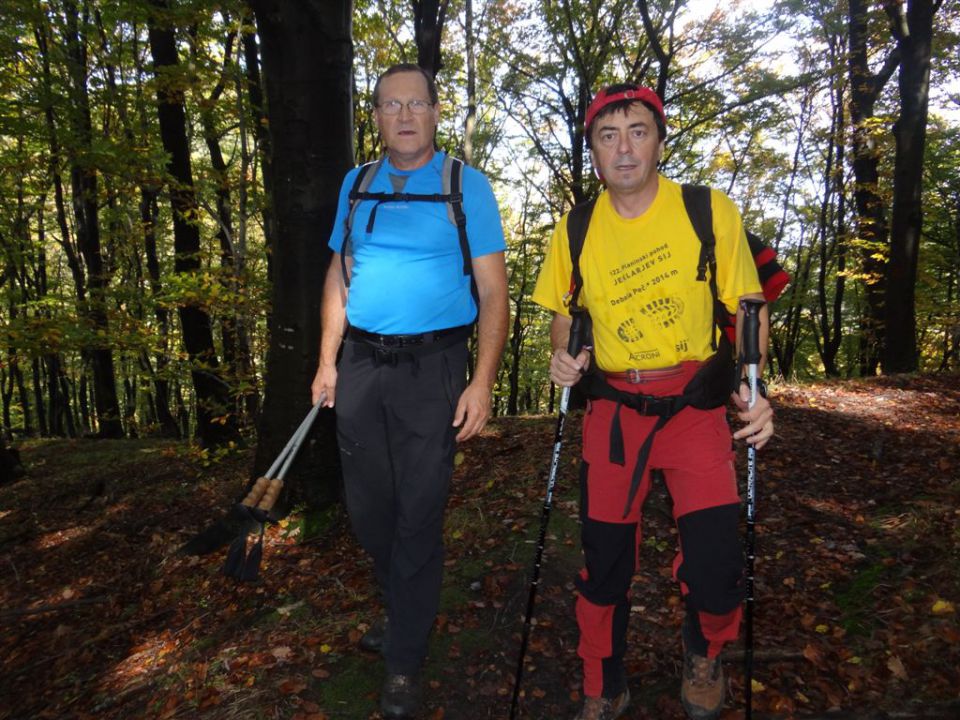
x=750, y=339
x=578, y=333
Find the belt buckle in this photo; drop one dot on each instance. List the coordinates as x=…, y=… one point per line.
x=384, y=356
x=634, y=376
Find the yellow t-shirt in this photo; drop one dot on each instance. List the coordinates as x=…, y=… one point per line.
x=640, y=280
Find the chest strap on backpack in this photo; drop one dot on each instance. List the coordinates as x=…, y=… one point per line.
x=452, y=195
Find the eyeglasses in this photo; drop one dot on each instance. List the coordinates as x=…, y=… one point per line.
x=416, y=107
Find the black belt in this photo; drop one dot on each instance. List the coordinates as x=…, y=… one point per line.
x=406, y=341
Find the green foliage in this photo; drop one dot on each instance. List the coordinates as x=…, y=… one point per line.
x=750, y=94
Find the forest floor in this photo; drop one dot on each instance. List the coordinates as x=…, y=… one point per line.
x=858, y=580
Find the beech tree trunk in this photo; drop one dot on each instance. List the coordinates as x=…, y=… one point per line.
x=428, y=19
x=914, y=32
x=871, y=209
x=307, y=56
x=216, y=424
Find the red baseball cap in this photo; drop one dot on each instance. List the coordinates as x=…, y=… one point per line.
x=633, y=92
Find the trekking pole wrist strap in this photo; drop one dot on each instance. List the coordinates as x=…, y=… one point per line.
x=761, y=385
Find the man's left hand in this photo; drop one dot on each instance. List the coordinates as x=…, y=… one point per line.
x=759, y=418
x=473, y=411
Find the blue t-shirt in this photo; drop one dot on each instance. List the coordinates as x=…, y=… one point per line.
x=407, y=275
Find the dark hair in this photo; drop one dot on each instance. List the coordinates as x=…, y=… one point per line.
x=623, y=106
x=402, y=68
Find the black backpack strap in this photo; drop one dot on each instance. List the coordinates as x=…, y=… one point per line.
x=452, y=185
x=578, y=220
x=358, y=190
x=696, y=199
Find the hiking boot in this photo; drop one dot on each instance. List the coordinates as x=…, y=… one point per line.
x=372, y=640
x=604, y=708
x=703, y=686
x=400, y=697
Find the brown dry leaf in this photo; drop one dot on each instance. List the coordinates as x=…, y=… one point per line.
x=281, y=652
x=321, y=673
x=812, y=653
x=895, y=665
x=211, y=697
x=292, y=686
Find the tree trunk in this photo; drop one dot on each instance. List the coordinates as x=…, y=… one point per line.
x=470, y=121
x=914, y=32
x=307, y=59
x=871, y=220
x=148, y=223
x=251, y=62
x=237, y=360
x=832, y=252
x=428, y=19
x=84, y=181
x=216, y=424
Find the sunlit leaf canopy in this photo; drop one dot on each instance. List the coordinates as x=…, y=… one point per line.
x=765, y=101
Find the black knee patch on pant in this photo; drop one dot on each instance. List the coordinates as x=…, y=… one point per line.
x=610, y=554
x=584, y=495
x=712, y=567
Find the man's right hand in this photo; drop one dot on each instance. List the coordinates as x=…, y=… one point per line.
x=325, y=381
x=566, y=370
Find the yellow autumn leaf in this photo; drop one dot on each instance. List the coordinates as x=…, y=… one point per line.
x=457, y=534
x=757, y=686
x=325, y=648
x=855, y=660
x=458, y=459
x=943, y=607
x=822, y=629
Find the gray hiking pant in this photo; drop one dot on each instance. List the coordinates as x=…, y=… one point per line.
x=394, y=426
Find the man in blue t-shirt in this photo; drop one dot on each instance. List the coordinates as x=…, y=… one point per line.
x=404, y=312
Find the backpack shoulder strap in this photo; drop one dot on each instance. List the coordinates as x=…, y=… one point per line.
x=578, y=220
x=697, y=201
x=365, y=175
x=452, y=188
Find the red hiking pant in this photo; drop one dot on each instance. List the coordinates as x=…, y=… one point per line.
x=694, y=451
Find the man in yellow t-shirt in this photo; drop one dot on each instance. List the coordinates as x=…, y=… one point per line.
x=653, y=331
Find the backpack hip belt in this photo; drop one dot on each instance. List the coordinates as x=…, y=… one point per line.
x=706, y=390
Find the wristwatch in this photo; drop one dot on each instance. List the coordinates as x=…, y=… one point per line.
x=761, y=385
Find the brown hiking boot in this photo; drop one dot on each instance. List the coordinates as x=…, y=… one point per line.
x=703, y=686
x=604, y=708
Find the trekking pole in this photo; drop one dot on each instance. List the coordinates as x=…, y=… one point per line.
x=750, y=356
x=574, y=344
x=258, y=503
